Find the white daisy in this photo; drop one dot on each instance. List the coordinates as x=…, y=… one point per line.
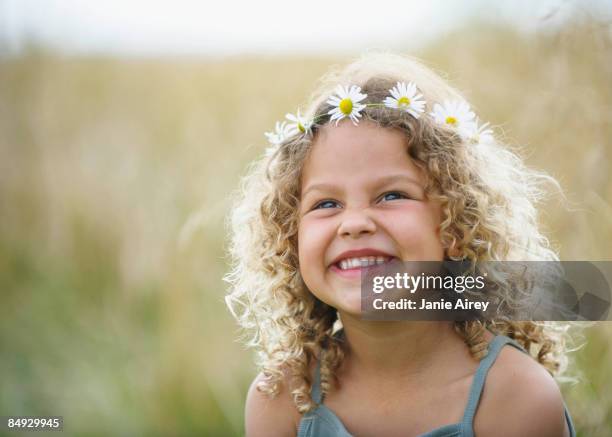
x=455, y=114
x=298, y=123
x=482, y=134
x=281, y=132
x=346, y=104
x=405, y=98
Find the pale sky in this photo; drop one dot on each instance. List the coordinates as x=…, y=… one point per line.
x=230, y=27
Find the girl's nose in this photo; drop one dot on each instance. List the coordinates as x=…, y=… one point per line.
x=355, y=224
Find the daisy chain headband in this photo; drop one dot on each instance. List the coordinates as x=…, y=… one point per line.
x=455, y=114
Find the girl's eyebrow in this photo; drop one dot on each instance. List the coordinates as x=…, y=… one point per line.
x=383, y=181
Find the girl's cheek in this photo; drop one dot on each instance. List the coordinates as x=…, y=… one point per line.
x=306, y=235
x=311, y=227
x=418, y=211
x=313, y=238
x=405, y=215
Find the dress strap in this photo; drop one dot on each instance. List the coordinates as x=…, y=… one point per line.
x=495, y=346
x=316, y=384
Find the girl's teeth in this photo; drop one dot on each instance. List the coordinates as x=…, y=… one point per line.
x=354, y=263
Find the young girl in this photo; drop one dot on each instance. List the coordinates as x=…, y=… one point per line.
x=389, y=163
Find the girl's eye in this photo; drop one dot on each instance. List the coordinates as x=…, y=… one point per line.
x=393, y=195
x=326, y=204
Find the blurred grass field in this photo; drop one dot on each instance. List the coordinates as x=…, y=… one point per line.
x=114, y=184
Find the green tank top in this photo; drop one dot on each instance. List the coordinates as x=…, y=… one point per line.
x=322, y=422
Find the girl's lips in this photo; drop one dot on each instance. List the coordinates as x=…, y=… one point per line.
x=348, y=273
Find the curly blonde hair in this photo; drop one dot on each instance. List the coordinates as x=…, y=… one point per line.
x=488, y=200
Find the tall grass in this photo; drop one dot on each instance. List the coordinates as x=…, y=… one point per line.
x=114, y=183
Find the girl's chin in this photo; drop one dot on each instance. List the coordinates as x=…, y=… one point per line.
x=348, y=300
x=339, y=293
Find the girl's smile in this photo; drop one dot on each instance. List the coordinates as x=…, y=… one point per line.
x=362, y=204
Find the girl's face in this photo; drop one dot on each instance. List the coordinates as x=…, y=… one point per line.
x=362, y=201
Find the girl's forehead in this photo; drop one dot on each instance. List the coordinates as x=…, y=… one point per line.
x=365, y=151
x=364, y=132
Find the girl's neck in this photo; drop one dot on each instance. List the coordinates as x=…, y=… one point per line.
x=400, y=348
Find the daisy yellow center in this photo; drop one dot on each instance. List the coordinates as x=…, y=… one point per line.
x=346, y=106
x=301, y=127
x=451, y=120
x=403, y=101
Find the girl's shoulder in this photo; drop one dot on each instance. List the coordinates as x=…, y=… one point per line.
x=271, y=415
x=521, y=398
